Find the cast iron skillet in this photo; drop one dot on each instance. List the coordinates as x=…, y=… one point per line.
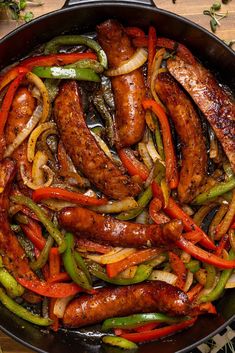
x=81, y=19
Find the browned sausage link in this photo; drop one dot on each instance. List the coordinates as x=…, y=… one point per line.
x=108, y=230
x=129, y=89
x=13, y=255
x=83, y=149
x=188, y=127
x=217, y=105
x=22, y=108
x=120, y=301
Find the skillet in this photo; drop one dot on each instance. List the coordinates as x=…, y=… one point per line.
x=81, y=17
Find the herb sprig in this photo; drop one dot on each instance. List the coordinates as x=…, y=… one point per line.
x=216, y=16
x=16, y=8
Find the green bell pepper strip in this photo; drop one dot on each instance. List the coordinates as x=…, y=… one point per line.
x=193, y=266
x=215, y=191
x=119, y=342
x=142, y=273
x=43, y=257
x=136, y=320
x=66, y=73
x=218, y=290
x=53, y=45
x=70, y=265
x=158, y=138
x=210, y=278
x=81, y=264
x=143, y=201
x=86, y=64
x=22, y=312
x=52, y=230
x=13, y=288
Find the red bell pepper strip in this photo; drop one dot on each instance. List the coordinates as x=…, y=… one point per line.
x=136, y=258
x=55, y=320
x=7, y=101
x=59, y=277
x=62, y=194
x=194, y=236
x=174, y=211
x=54, y=262
x=88, y=245
x=203, y=308
x=51, y=290
x=33, y=232
x=203, y=255
x=132, y=164
x=193, y=292
x=134, y=32
x=157, y=191
x=154, y=212
x=224, y=241
x=172, y=176
x=178, y=268
x=147, y=327
x=152, y=46
x=159, y=332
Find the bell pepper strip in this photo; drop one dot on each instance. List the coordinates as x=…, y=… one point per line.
x=13, y=288
x=52, y=230
x=203, y=308
x=22, y=312
x=132, y=164
x=60, y=277
x=113, y=269
x=152, y=46
x=142, y=201
x=210, y=275
x=225, y=275
x=52, y=316
x=214, y=192
x=58, y=72
x=159, y=332
x=54, y=262
x=43, y=257
x=134, y=32
x=193, y=266
x=174, y=211
x=33, y=232
x=147, y=327
x=224, y=241
x=231, y=234
x=70, y=264
x=119, y=342
x=193, y=292
x=203, y=255
x=154, y=211
x=88, y=245
x=142, y=273
x=136, y=320
x=178, y=268
x=157, y=191
x=53, y=45
x=62, y=194
x=7, y=101
x=172, y=176
x=194, y=236
x=51, y=290
x=81, y=264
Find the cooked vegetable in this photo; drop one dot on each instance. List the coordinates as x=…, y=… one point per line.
x=66, y=73
x=119, y=342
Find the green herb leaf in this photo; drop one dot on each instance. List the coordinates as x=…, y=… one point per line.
x=213, y=25
x=216, y=6
x=28, y=16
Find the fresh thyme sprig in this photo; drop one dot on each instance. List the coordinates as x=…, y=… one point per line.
x=216, y=16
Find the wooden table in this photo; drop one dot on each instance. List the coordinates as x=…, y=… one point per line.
x=191, y=9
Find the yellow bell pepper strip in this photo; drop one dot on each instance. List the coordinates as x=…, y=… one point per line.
x=218, y=290
x=215, y=191
x=70, y=264
x=159, y=332
x=52, y=230
x=53, y=45
x=66, y=73
x=22, y=312
x=119, y=342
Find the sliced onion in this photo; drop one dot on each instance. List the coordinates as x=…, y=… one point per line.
x=188, y=282
x=155, y=71
x=102, y=145
x=231, y=281
x=60, y=306
x=28, y=182
x=142, y=218
x=25, y=132
x=57, y=205
x=34, y=79
x=35, y=135
x=40, y=159
x=136, y=61
x=145, y=155
x=125, y=204
x=227, y=220
x=152, y=150
x=164, y=276
x=128, y=272
x=112, y=256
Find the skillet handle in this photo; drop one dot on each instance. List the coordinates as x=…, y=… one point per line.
x=76, y=2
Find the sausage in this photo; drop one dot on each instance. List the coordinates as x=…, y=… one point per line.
x=109, y=302
x=129, y=90
x=13, y=256
x=216, y=104
x=83, y=149
x=22, y=108
x=188, y=127
x=109, y=230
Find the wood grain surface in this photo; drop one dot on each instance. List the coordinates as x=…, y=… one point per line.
x=191, y=9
